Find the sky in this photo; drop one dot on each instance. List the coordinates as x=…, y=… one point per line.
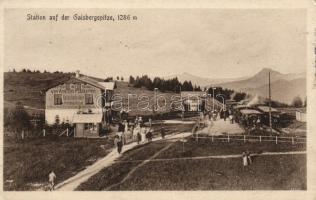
x=213, y=43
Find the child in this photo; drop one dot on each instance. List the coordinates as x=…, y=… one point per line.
x=51, y=180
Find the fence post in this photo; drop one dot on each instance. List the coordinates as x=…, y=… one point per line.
x=228, y=137
x=22, y=135
x=276, y=139
x=244, y=138
x=44, y=132
x=260, y=138
x=293, y=140
x=67, y=132
x=212, y=138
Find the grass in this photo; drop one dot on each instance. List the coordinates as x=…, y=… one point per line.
x=286, y=172
x=118, y=171
x=281, y=172
x=29, y=162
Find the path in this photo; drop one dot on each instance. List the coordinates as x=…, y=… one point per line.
x=73, y=182
x=220, y=126
x=218, y=156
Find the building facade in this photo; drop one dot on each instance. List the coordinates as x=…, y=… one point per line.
x=80, y=101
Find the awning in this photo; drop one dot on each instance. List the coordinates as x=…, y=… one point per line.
x=87, y=118
x=241, y=106
x=249, y=111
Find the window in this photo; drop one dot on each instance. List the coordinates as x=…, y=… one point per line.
x=90, y=127
x=89, y=98
x=58, y=99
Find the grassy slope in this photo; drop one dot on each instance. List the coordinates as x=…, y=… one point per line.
x=267, y=172
x=285, y=172
x=30, y=161
x=29, y=88
x=124, y=89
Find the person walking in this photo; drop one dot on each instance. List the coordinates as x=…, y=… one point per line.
x=149, y=135
x=162, y=132
x=51, y=179
x=118, y=143
x=249, y=160
x=139, y=137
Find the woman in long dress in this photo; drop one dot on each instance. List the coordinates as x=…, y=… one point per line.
x=143, y=134
x=244, y=159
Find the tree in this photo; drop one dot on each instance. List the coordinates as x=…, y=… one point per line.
x=117, y=78
x=297, y=102
x=122, y=78
x=239, y=96
x=131, y=80
x=18, y=120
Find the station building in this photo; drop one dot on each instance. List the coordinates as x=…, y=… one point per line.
x=81, y=101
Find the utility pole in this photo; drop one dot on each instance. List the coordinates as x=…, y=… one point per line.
x=213, y=88
x=155, y=99
x=270, y=117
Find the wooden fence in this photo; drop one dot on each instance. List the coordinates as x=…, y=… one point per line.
x=255, y=138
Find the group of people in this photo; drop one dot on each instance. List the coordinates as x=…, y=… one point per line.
x=137, y=132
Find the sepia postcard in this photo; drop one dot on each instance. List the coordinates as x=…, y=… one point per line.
x=158, y=100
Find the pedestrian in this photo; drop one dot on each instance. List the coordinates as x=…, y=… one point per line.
x=116, y=140
x=149, y=122
x=244, y=159
x=51, y=179
x=140, y=121
x=119, y=146
x=139, y=137
x=162, y=132
x=149, y=135
x=231, y=118
x=249, y=160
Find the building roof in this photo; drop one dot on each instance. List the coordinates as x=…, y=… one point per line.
x=90, y=81
x=107, y=85
x=192, y=93
x=302, y=110
x=87, y=118
x=266, y=109
x=250, y=111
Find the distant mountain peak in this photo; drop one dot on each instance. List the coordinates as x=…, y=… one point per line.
x=266, y=70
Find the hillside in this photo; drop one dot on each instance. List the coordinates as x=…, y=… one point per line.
x=29, y=88
x=136, y=98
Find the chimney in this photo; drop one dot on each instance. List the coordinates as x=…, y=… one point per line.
x=77, y=74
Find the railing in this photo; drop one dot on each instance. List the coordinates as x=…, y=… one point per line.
x=254, y=138
x=65, y=132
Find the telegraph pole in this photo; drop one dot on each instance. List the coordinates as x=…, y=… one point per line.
x=270, y=117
